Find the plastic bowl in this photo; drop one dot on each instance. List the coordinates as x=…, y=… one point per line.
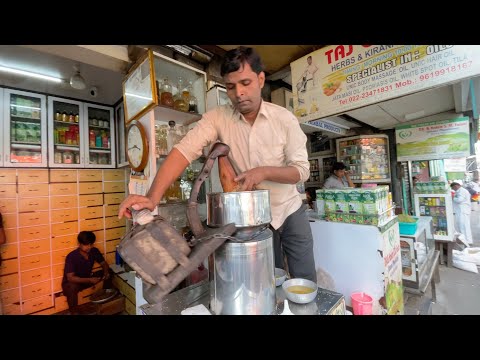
x=280, y=276
x=290, y=285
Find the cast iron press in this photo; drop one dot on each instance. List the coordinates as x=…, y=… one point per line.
x=159, y=254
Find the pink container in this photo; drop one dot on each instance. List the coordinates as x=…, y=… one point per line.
x=362, y=303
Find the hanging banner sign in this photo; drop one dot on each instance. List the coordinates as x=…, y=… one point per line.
x=328, y=127
x=455, y=165
x=339, y=78
x=433, y=140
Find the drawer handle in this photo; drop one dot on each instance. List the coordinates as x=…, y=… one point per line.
x=64, y=189
x=32, y=203
x=36, y=276
x=35, y=218
x=35, y=305
x=33, y=190
x=35, y=247
x=91, y=188
x=90, y=200
x=33, y=176
x=34, y=262
x=33, y=233
x=63, y=202
x=3, y=191
x=65, y=228
x=34, y=291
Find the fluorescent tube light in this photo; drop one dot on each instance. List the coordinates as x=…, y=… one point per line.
x=31, y=74
x=138, y=96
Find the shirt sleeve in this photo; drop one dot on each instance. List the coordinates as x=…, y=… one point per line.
x=69, y=267
x=296, y=149
x=97, y=255
x=203, y=134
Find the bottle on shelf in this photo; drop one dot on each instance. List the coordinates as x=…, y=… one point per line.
x=172, y=136
x=179, y=101
x=166, y=93
x=192, y=100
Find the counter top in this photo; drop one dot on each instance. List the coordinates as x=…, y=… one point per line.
x=325, y=303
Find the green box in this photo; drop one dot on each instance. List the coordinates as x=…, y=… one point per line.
x=341, y=204
x=355, y=201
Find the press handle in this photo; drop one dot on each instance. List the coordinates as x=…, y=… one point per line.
x=218, y=149
x=141, y=217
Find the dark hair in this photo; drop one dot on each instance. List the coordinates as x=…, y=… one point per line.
x=454, y=183
x=309, y=57
x=338, y=166
x=86, y=237
x=312, y=192
x=235, y=58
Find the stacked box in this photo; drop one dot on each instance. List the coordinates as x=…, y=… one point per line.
x=371, y=201
x=320, y=201
x=341, y=203
x=355, y=201
x=329, y=198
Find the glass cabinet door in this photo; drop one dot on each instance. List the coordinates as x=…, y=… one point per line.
x=25, y=133
x=65, y=131
x=120, y=128
x=99, y=136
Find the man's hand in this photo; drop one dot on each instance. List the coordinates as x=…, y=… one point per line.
x=249, y=179
x=137, y=202
x=106, y=276
x=95, y=280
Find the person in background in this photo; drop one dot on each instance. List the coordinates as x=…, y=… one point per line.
x=3, y=240
x=78, y=275
x=462, y=209
x=311, y=194
x=276, y=162
x=340, y=178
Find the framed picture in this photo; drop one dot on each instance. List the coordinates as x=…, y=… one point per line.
x=139, y=88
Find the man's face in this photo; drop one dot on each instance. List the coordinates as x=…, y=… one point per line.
x=339, y=173
x=309, y=61
x=244, y=88
x=85, y=248
x=456, y=187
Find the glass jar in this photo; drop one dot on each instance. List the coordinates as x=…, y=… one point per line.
x=192, y=100
x=179, y=103
x=58, y=157
x=58, y=116
x=172, y=137
x=68, y=157
x=166, y=94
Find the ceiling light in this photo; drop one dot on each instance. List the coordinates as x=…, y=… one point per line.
x=415, y=115
x=77, y=81
x=31, y=74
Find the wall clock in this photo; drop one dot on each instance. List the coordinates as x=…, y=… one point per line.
x=137, y=146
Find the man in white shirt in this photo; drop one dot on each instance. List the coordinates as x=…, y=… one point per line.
x=267, y=150
x=462, y=209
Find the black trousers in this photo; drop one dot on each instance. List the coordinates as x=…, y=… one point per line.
x=294, y=239
x=71, y=290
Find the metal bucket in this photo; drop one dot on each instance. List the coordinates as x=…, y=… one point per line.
x=244, y=277
x=246, y=209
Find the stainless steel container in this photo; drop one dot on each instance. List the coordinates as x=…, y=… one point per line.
x=243, y=277
x=244, y=208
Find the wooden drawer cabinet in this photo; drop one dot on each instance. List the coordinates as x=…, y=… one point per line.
x=58, y=256
x=11, y=235
x=110, y=258
x=10, y=296
x=90, y=188
x=36, y=290
x=33, y=218
x=12, y=309
x=99, y=236
x=89, y=175
x=34, y=232
x=57, y=270
x=10, y=221
x=115, y=198
x=8, y=176
x=64, y=202
x=61, y=303
x=111, y=245
x=57, y=284
x=91, y=200
x=114, y=186
x=9, y=282
x=32, y=176
x=100, y=246
x=115, y=233
x=9, y=267
x=34, y=262
x=67, y=228
x=63, y=175
x=91, y=225
x=34, y=305
x=8, y=251
x=8, y=206
x=48, y=311
x=32, y=190
x=114, y=221
x=130, y=308
x=112, y=175
x=64, y=215
x=32, y=204
x=28, y=248
x=34, y=276
x=8, y=190
x=63, y=189
x=91, y=212
x=64, y=242
x=112, y=210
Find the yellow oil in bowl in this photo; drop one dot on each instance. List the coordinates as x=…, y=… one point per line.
x=299, y=289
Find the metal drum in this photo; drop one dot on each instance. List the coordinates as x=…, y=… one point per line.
x=243, y=277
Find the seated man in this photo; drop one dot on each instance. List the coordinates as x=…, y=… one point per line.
x=78, y=275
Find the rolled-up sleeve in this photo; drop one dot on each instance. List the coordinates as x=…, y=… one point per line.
x=203, y=134
x=296, y=150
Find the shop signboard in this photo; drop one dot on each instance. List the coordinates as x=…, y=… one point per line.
x=339, y=78
x=455, y=164
x=393, y=268
x=433, y=140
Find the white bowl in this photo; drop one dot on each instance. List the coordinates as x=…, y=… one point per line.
x=300, y=298
x=280, y=276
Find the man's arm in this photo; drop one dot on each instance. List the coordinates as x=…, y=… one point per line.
x=283, y=175
x=106, y=270
x=71, y=277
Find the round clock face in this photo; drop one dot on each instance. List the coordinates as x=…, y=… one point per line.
x=137, y=149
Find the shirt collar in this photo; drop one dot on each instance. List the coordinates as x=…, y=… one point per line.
x=262, y=111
